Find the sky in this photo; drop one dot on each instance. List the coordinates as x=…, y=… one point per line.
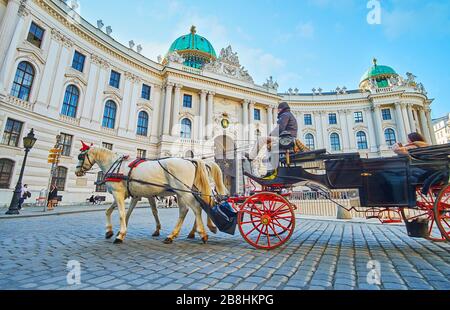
x=303, y=44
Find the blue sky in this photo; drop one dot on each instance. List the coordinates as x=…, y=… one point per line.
x=301, y=43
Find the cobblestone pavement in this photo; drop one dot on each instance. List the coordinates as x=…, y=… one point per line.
x=34, y=253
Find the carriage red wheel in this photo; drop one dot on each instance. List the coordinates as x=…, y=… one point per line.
x=425, y=204
x=442, y=212
x=266, y=220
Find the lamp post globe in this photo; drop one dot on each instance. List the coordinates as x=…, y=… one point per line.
x=28, y=143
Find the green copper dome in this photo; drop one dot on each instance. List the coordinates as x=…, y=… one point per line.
x=380, y=73
x=194, y=48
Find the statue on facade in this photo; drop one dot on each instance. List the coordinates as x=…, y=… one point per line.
x=270, y=84
x=410, y=79
x=175, y=57
x=227, y=55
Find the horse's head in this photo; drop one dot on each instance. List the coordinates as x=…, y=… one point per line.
x=85, y=160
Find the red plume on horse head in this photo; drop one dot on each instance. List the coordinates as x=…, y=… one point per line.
x=84, y=146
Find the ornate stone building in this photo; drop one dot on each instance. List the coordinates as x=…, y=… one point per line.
x=63, y=76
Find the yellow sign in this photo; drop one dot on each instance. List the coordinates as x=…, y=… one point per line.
x=225, y=123
x=53, y=156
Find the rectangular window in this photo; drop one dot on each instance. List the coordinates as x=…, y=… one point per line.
x=114, y=80
x=332, y=118
x=308, y=119
x=187, y=101
x=107, y=145
x=257, y=114
x=78, y=61
x=60, y=178
x=35, y=35
x=359, y=117
x=66, y=143
x=145, y=92
x=12, y=132
x=141, y=153
x=386, y=114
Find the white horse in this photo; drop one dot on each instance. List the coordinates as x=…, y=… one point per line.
x=151, y=178
x=215, y=176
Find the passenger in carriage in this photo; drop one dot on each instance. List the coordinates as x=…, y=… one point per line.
x=415, y=140
x=286, y=123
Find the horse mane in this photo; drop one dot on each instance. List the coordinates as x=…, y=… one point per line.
x=217, y=176
x=201, y=181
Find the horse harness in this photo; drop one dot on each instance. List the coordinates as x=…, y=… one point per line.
x=114, y=175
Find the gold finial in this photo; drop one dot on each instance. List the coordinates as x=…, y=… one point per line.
x=193, y=29
x=374, y=61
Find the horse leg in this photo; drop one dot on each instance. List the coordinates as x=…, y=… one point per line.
x=109, y=231
x=120, y=199
x=133, y=204
x=198, y=220
x=152, y=202
x=183, y=210
x=211, y=226
x=193, y=230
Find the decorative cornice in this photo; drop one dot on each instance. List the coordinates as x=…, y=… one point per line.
x=34, y=52
x=132, y=77
x=97, y=60
x=59, y=37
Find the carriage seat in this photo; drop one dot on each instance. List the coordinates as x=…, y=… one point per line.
x=434, y=152
x=307, y=156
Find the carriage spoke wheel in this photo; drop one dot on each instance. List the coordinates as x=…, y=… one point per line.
x=266, y=220
x=442, y=212
x=425, y=204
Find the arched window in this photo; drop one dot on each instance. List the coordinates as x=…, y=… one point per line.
x=309, y=141
x=186, y=127
x=70, y=103
x=60, y=178
x=109, y=115
x=335, y=142
x=389, y=135
x=361, y=140
x=142, y=125
x=23, y=81
x=6, y=170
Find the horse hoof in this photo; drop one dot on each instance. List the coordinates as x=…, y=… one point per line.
x=118, y=241
x=109, y=234
x=155, y=234
x=213, y=230
x=191, y=236
x=205, y=239
x=168, y=241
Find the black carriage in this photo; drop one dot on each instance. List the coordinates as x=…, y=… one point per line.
x=415, y=187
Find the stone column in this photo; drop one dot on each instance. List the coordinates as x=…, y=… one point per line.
x=7, y=27
x=405, y=118
x=370, y=124
x=412, y=123
x=399, y=122
x=325, y=136
x=209, y=119
x=251, y=111
x=430, y=126
x=167, y=108
x=156, y=103
x=132, y=119
x=425, y=129
x=176, y=110
x=89, y=99
x=269, y=119
x=318, y=125
x=125, y=106
x=300, y=125
x=245, y=128
x=8, y=59
x=202, y=117
x=98, y=106
x=275, y=117
x=345, y=130
x=351, y=133
x=57, y=90
x=379, y=129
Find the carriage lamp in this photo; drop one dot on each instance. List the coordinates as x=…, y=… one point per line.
x=28, y=143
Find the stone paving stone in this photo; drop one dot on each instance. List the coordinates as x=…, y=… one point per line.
x=320, y=255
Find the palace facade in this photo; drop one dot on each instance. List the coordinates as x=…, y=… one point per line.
x=61, y=75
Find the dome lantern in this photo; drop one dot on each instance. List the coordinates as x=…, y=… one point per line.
x=378, y=75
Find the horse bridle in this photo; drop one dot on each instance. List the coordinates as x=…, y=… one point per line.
x=83, y=156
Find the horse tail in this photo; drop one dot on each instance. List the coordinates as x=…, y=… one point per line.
x=217, y=176
x=201, y=181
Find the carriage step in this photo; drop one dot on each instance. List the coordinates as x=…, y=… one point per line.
x=417, y=228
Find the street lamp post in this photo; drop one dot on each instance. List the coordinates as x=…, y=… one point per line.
x=28, y=143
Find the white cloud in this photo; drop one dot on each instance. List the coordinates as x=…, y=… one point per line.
x=305, y=30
